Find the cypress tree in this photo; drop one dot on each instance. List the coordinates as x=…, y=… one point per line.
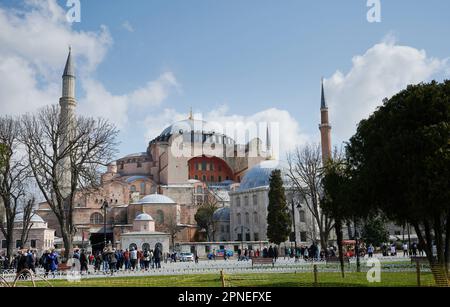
x=278, y=219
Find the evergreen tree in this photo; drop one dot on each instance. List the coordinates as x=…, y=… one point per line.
x=278, y=219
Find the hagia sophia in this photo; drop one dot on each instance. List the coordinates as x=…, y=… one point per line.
x=146, y=198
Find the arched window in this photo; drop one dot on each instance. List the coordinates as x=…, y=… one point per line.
x=255, y=200
x=96, y=218
x=160, y=217
x=255, y=218
x=238, y=201
x=142, y=188
x=302, y=216
x=133, y=189
x=239, y=219
x=246, y=200
x=133, y=246
x=145, y=247
x=247, y=218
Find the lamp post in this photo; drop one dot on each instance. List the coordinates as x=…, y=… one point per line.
x=104, y=207
x=293, y=222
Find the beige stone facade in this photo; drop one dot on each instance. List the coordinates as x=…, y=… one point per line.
x=40, y=237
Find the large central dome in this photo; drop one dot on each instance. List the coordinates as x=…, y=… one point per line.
x=212, y=131
x=188, y=126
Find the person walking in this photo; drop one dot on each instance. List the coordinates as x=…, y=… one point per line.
x=405, y=249
x=84, y=262
x=112, y=261
x=157, y=256
x=31, y=261
x=370, y=250
x=133, y=258
x=52, y=263
x=146, y=259
x=393, y=250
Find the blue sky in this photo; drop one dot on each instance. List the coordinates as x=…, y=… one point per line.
x=251, y=55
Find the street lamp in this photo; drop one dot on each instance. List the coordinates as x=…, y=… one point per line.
x=293, y=221
x=104, y=208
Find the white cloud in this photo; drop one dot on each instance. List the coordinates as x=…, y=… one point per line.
x=116, y=108
x=381, y=72
x=155, y=91
x=33, y=48
x=127, y=26
x=34, y=44
x=101, y=103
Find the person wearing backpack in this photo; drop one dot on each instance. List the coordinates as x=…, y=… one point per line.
x=147, y=258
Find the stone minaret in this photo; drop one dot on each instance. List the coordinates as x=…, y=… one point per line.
x=68, y=104
x=325, y=128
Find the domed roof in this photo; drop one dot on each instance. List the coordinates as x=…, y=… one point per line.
x=222, y=215
x=143, y=217
x=34, y=219
x=156, y=199
x=259, y=175
x=187, y=125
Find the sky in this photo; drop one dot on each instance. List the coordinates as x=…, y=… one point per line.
x=143, y=64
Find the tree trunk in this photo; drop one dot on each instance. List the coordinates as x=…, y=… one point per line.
x=9, y=246
x=447, y=245
x=68, y=244
x=339, y=236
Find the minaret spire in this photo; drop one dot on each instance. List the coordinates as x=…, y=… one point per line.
x=323, y=100
x=191, y=115
x=325, y=128
x=68, y=105
x=268, y=143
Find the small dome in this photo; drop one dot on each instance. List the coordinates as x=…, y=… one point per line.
x=156, y=199
x=259, y=175
x=143, y=217
x=222, y=215
x=34, y=219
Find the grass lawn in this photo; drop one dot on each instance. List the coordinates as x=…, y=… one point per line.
x=390, y=279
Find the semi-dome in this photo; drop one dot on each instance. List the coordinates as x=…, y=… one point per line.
x=222, y=215
x=259, y=175
x=156, y=199
x=143, y=217
x=34, y=219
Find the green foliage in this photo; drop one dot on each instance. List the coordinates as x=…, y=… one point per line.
x=400, y=156
x=374, y=232
x=278, y=218
x=400, y=162
x=204, y=217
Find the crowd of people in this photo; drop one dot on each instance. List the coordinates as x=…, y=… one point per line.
x=112, y=260
x=28, y=259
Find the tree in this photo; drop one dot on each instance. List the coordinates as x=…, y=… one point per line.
x=27, y=215
x=62, y=170
x=305, y=172
x=335, y=200
x=374, y=231
x=13, y=174
x=205, y=216
x=172, y=227
x=279, y=222
x=402, y=152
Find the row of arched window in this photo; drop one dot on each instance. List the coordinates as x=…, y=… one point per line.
x=246, y=200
